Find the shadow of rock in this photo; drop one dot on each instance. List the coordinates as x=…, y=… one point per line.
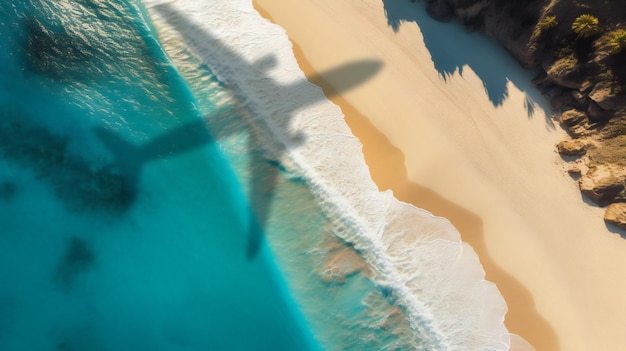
x=615, y=230
x=453, y=48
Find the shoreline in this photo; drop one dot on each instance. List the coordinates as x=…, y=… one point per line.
x=393, y=237
x=542, y=307
x=387, y=169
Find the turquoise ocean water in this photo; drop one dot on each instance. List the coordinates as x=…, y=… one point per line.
x=143, y=250
x=117, y=234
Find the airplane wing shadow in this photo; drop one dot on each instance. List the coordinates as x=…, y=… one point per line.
x=183, y=138
x=262, y=187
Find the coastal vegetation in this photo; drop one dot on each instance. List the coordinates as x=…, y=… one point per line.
x=586, y=26
x=547, y=23
x=617, y=41
x=579, y=48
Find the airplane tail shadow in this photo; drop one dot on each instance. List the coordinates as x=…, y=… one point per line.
x=262, y=189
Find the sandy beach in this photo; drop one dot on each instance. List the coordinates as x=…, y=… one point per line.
x=478, y=153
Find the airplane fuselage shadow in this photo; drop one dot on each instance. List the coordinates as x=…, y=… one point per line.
x=114, y=187
x=195, y=134
x=53, y=51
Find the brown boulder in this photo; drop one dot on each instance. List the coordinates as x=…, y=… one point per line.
x=579, y=97
x=616, y=214
x=601, y=184
x=574, y=170
x=586, y=87
x=575, y=122
x=604, y=95
x=562, y=100
x=571, y=147
x=572, y=117
x=566, y=72
x=596, y=112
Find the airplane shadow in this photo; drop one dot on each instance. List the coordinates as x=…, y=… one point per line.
x=453, y=48
x=130, y=159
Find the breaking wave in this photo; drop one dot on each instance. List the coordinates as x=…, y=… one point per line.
x=418, y=259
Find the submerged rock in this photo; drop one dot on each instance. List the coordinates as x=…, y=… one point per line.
x=77, y=258
x=54, y=52
x=82, y=184
x=7, y=190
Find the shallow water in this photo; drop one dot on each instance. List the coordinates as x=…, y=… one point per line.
x=330, y=282
x=117, y=235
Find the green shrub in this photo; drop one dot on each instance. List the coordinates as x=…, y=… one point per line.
x=547, y=22
x=564, y=49
x=563, y=66
x=617, y=41
x=586, y=26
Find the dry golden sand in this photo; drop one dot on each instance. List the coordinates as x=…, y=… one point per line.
x=492, y=173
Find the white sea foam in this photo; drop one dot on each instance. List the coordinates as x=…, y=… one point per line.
x=418, y=259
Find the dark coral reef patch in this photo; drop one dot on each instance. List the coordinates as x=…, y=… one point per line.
x=82, y=185
x=77, y=258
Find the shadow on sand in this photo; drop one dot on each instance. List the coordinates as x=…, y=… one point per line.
x=453, y=49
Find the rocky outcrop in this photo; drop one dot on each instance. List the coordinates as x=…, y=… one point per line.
x=582, y=77
x=562, y=99
x=616, y=214
x=565, y=72
x=572, y=147
x=605, y=95
x=602, y=184
x=574, y=169
x=597, y=113
x=575, y=122
x=572, y=118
